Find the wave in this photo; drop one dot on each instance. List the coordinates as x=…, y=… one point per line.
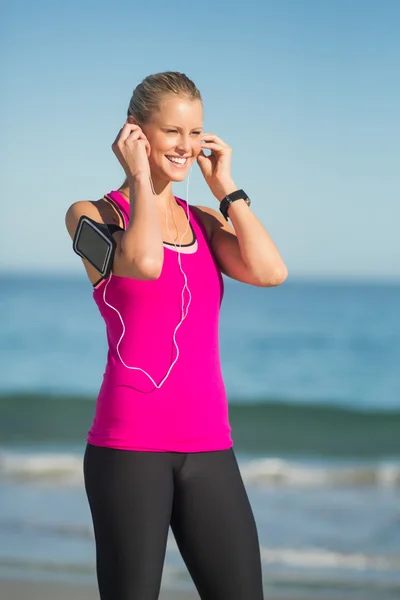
x=303, y=558
x=64, y=530
x=313, y=558
x=275, y=471
x=66, y=469
x=43, y=467
x=263, y=427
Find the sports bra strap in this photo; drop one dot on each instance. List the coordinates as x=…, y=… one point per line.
x=117, y=208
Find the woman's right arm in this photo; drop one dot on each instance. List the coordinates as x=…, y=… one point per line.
x=127, y=261
x=139, y=249
x=141, y=244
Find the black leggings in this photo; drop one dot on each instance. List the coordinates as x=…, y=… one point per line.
x=135, y=496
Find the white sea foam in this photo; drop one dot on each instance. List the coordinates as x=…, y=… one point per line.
x=321, y=558
x=67, y=469
x=61, y=468
x=300, y=558
x=275, y=471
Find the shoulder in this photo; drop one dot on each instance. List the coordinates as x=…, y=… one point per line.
x=98, y=210
x=211, y=219
x=76, y=211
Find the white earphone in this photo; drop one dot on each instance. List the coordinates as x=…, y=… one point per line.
x=184, y=310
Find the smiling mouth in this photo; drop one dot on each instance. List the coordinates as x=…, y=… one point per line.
x=178, y=162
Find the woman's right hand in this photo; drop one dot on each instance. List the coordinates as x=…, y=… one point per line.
x=132, y=149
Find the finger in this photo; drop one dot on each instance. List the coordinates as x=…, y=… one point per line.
x=213, y=146
x=121, y=137
x=213, y=138
x=130, y=126
x=136, y=134
x=141, y=136
x=127, y=129
x=138, y=129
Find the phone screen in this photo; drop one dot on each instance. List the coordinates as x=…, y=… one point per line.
x=93, y=246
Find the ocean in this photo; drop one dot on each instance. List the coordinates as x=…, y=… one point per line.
x=313, y=380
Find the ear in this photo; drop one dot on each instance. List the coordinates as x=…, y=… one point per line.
x=131, y=120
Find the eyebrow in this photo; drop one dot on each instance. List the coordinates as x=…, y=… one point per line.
x=180, y=128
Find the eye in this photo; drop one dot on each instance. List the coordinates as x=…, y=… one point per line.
x=197, y=132
x=171, y=131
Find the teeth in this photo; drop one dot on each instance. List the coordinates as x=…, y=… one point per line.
x=180, y=161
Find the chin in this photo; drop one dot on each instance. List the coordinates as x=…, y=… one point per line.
x=174, y=175
x=169, y=177
x=178, y=177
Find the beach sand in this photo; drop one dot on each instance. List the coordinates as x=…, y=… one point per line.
x=12, y=589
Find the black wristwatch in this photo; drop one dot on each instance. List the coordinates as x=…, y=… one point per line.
x=227, y=201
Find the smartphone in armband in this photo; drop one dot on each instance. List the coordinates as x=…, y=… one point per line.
x=94, y=242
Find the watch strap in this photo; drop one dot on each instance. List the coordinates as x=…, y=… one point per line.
x=227, y=201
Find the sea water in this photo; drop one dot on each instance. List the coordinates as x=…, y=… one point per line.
x=313, y=380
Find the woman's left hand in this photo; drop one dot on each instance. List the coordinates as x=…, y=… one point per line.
x=216, y=168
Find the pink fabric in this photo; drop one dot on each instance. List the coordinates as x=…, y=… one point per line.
x=189, y=413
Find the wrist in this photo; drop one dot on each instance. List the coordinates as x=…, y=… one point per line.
x=140, y=176
x=225, y=188
x=229, y=199
x=139, y=180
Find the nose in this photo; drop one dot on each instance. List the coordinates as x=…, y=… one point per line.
x=184, y=144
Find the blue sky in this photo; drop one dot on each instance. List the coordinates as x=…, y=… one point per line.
x=307, y=94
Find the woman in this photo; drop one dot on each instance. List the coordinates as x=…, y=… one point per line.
x=159, y=451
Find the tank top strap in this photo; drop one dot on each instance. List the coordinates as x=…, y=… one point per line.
x=120, y=204
x=123, y=208
x=196, y=222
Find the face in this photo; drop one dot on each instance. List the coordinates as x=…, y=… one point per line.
x=174, y=133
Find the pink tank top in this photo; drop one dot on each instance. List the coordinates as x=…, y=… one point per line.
x=189, y=412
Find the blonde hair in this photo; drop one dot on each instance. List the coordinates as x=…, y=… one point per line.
x=153, y=89
x=148, y=95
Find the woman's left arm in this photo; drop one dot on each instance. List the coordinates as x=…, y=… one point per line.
x=245, y=250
